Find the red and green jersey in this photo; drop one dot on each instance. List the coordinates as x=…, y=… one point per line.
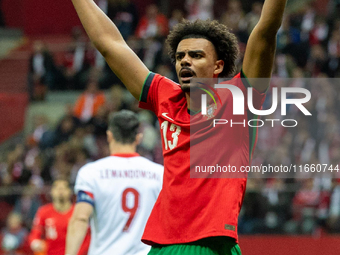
x=189, y=209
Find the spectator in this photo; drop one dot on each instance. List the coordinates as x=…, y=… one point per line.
x=305, y=204
x=82, y=158
x=40, y=123
x=253, y=212
x=77, y=61
x=254, y=16
x=287, y=35
x=307, y=23
x=27, y=205
x=234, y=19
x=15, y=165
x=42, y=71
x=118, y=99
x=64, y=159
x=64, y=130
x=334, y=212
x=98, y=123
x=125, y=16
x=318, y=61
x=89, y=102
x=14, y=237
x=199, y=9
x=176, y=17
x=278, y=201
x=152, y=24
x=319, y=33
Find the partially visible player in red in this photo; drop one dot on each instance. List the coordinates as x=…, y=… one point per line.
x=50, y=223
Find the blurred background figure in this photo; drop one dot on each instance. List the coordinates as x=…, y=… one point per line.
x=199, y=9
x=77, y=60
x=234, y=18
x=176, y=17
x=125, y=15
x=27, y=205
x=89, y=102
x=50, y=223
x=334, y=213
x=14, y=237
x=42, y=71
x=152, y=24
x=254, y=16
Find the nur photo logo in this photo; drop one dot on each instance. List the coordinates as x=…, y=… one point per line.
x=289, y=96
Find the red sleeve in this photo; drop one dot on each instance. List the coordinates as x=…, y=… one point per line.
x=38, y=227
x=158, y=90
x=148, y=96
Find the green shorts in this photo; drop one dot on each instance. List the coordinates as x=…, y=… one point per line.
x=207, y=246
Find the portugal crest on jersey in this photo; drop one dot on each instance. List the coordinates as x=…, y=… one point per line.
x=211, y=111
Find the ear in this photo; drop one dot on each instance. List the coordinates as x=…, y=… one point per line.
x=139, y=138
x=219, y=65
x=109, y=136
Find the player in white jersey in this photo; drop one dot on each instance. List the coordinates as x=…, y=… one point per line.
x=116, y=193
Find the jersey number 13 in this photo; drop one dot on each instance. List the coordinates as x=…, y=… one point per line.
x=176, y=131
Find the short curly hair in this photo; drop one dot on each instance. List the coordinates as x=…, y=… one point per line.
x=224, y=41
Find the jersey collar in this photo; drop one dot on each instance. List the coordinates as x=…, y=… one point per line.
x=125, y=155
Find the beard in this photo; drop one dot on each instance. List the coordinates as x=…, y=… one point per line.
x=185, y=87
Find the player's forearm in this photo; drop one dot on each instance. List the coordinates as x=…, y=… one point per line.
x=76, y=231
x=271, y=16
x=100, y=29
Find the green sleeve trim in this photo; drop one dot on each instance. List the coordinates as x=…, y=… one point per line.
x=191, y=112
x=246, y=78
x=248, y=83
x=141, y=93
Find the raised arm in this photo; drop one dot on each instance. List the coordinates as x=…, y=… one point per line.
x=260, y=52
x=108, y=40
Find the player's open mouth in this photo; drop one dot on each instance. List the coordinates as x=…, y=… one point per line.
x=186, y=74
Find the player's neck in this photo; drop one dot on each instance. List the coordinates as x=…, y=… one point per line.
x=122, y=148
x=62, y=206
x=192, y=102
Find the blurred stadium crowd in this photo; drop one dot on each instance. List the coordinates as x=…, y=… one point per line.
x=308, y=46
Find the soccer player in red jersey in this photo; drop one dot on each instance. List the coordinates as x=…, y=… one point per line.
x=194, y=215
x=51, y=220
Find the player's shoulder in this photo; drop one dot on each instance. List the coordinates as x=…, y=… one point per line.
x=46, y=209
x=91, y=166
x=239, y=80
x=234, y=78
x=155, y=77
